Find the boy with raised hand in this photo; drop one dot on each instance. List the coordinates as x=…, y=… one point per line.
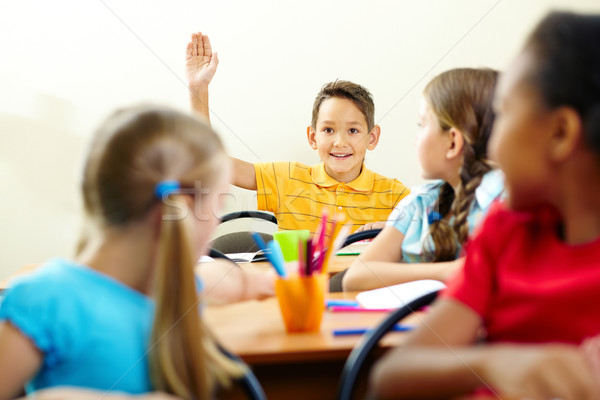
x=341, y=131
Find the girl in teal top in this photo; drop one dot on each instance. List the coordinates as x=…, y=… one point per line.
x=123, y=316
x=432, y=223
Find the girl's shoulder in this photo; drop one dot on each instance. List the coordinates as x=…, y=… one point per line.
x=490, y=189
x=423, y=195
x=70, y=282
x=50, y=275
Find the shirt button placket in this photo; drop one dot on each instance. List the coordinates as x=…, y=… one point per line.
x=340, y=192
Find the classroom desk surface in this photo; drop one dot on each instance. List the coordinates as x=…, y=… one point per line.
x=254, y=330
x=299, y=365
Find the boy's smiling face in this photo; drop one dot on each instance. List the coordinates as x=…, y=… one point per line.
x=342, y=137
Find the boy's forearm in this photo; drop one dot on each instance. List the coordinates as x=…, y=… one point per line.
x=408, y=373
x=199, y=100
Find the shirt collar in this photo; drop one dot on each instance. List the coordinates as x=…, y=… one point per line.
x=491, y=186
x=363, y=182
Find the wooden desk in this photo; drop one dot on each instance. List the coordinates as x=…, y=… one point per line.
x=292, y=366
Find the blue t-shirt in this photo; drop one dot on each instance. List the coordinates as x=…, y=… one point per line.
x=93, y=330
x=411, y=215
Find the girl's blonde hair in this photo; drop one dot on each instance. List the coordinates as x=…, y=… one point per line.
x=461, y=98
x=134, y=150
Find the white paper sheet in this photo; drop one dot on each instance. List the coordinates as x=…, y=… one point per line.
x=397, y=295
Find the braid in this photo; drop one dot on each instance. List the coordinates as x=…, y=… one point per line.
x=471, y=175
x=461, y=98
x=442, y=235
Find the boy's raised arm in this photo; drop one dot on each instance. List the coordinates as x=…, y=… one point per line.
x=244, y=175
x=200, y=67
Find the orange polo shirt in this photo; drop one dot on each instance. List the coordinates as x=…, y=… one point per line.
x=297, y=194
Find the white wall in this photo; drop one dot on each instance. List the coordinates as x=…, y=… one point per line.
x=65, y=64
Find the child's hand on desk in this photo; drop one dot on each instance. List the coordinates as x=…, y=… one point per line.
x=591, y=351
x=260, y=284
x=200, y=62
x=225, y=282
x=539, y=372
x=369, y=226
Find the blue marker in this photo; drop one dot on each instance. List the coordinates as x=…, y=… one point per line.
x=259, y=241
x=362, y=331
x=276, y=257
x=341, y=302
x=268, y=253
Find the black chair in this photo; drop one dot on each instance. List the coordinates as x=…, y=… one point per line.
x=358, y=236
x=335, y=282
x=361, y=351
x=241, y=242
x=248, y=381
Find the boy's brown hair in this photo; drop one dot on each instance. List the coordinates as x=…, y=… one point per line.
x=360, y=96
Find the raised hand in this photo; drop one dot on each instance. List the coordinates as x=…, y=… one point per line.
x=200, y=62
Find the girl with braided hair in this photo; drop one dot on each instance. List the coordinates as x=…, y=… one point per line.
x=431, y=224
x=519, y=321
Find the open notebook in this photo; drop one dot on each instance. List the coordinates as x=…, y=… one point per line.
x=240, y=257
x=353, y=249
x=397, y=295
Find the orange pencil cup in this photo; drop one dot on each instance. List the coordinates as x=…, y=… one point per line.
x=302, y=302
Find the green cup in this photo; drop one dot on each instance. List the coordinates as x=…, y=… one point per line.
x=288, y=241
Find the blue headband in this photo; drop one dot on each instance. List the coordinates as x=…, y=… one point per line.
x=434, y=216
x=166, y=187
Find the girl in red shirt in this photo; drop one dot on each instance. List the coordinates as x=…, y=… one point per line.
x=531, y=281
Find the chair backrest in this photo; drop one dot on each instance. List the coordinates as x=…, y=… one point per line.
x=361, y=351
x=335, y=282
x=248, y=381
x=249, y=214
x=241, y=242
x=363, y=235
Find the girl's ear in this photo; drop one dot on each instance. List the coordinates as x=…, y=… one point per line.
x=456, y=144
x=567, y=134
x=374, y=137
x=310, y=135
